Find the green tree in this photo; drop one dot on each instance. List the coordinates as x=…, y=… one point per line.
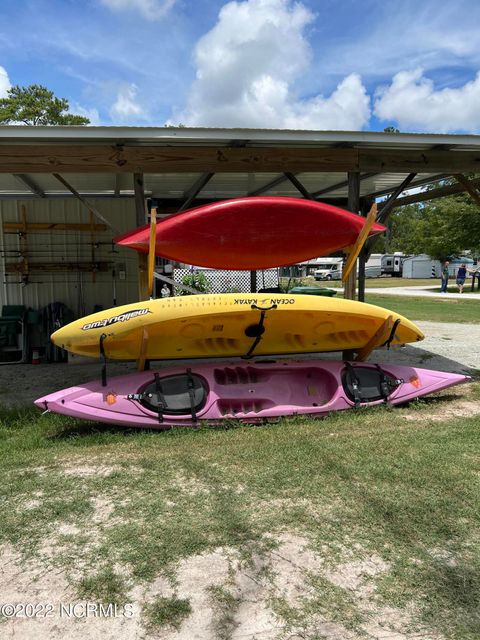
x=442, y=228
x=196, y=280
x=36, y=105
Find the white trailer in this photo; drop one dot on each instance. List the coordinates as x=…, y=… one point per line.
x=392, y=264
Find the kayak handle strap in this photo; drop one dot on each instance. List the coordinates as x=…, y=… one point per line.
x=257, y=330
x=390, y=338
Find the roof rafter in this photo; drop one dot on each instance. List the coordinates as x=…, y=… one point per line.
x=195, y=189
x=32, y=186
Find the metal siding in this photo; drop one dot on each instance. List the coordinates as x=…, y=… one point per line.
x=58, y=246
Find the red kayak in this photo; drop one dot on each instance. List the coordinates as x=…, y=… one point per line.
x=251, y=233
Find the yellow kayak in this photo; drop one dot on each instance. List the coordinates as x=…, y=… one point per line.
x=232, y=324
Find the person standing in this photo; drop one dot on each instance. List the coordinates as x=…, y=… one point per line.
x=461, y=275
x=444, y=277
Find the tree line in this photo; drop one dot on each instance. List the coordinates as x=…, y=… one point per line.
x=442, y=228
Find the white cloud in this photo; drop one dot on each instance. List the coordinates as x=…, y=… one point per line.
x=126, y=108
x=247, y=66
x=412, y=101
x=91, y=113
x=149, y=9
x=4, y=82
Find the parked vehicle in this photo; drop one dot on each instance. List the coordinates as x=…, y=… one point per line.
x=329, y=269
x=392, y=264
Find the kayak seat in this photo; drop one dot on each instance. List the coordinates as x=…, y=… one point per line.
x=373, y=384
x=175, y=394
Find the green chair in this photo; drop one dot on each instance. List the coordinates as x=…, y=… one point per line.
x=13, y=337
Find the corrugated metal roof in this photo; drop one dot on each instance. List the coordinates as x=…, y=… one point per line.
x=207, y=136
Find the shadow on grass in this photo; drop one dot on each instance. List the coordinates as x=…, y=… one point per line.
x=78, y=429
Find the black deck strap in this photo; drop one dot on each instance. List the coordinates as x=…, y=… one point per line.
x=162, y=405
x=257, y=330
x=104, y=356
x=191, y=393
x=357, y=392
x=390, y=338
x=387, y=386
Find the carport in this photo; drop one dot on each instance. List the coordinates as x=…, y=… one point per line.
x=66, y=191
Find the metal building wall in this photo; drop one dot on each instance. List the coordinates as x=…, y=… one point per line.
x=79, y=291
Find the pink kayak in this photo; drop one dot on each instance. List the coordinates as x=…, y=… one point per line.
x=246, y=391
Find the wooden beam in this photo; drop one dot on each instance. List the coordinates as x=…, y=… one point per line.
x=156, y=159
x=151, y=250
x=441, y=192
x=270, y=185
x=298, y=185
x=195, y=189
x=431, y=161
x=468, y=186
x=141, y=219
x=381, y=335
x=340, y=185
x=85, y=202
x=17, y=267
x=52, y=226
x=77, y=158
x=417, y=183
x=31, y=185
x=387, y=206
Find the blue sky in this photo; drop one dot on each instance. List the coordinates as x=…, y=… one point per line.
x=325, y=64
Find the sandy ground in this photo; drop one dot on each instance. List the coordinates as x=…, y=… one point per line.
x=447, y=347
x=283, y=574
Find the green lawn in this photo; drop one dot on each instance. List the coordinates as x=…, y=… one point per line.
x=358, y=485
x=435, y=309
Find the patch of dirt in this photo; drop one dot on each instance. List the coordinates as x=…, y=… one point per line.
x=85, y=471
x=56, y=618
x=251, y=584
x=455, y=409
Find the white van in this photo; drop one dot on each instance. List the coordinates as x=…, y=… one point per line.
x=329, y=269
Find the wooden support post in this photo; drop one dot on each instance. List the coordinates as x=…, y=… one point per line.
x=253, y=281
x=365, y=206
x=354, y=250
x=381, y=335
x=362, y=259
x=140, y=219
x=143, y=351
x=353, y=205
x=92, y=250
x=24, y=246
